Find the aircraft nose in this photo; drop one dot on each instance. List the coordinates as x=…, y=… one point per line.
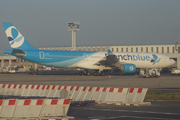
x=172, y=61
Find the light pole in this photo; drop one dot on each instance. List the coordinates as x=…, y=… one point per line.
x=73, y=26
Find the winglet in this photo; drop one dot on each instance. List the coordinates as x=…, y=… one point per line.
x=109, y=52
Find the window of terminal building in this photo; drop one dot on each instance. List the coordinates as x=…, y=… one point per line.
x=136, y=49
x=157, y=49
x=103, y=49
x=94, y=49
x=151, y=49
x=126, y=49
x=162, y=49
x=117, y=49
x=173, y=49
x=131, y=49
x=167, y=49
x=112, y=49
x=178, y=49
x=146, y=49
x=121, y=49
x=98, y=49
x=141, y=49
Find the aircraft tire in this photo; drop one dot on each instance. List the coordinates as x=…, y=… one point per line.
x=95, y=73
x=81, y=73
x=88, y=73
x=103, y=74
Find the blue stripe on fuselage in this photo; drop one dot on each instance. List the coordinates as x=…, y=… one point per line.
x=56, y=58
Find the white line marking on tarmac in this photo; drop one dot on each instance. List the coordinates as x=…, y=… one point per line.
x=165, y=113
x=134, y=117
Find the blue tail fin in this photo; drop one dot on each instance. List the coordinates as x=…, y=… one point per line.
x=16, y=40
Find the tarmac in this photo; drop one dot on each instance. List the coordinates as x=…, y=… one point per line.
x=165, y=82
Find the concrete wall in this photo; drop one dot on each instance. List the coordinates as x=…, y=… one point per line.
x=7, y=60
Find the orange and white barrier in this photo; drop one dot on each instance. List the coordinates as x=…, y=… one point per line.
x=53, y=90
x=6, y=89
x=26, y=90
x=130, y=97
x=57, y=92
x=140, y=95
x=104, y=95
x=90, y=93
x=97, y=93
x=20, y=90
x=76, y=93
x=83, y=93
x=120, y=95
x=22, y=108
x=8, y=108
x=35, y=108
x=42, y=91
x=55, y=107
x=32, y=90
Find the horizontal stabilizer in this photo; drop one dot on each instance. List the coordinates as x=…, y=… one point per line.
x=19, y=52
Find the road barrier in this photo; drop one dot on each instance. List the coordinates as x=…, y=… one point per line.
x=53, y=90
x=140, y=95
x=20, y=90
x=22, y=108
x=35, y=108
x=104, y=95
x=130, y=96
x=97, y=93
x=83, y=93
x=57, y=92
x=110, y=96
x=41, y=118
x=8, y=108
x=120, y=96
x=77, y=92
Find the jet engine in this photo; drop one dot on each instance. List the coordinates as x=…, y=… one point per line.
x=128, y=68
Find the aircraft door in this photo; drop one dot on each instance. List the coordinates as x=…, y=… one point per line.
x=41, y=55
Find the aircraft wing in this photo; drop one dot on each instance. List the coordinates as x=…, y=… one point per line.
x=110, y=60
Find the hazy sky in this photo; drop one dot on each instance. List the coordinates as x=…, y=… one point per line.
x=102, y=22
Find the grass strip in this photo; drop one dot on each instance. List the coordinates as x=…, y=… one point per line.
x=162, y=95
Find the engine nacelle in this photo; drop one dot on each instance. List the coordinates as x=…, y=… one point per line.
x=128, y=68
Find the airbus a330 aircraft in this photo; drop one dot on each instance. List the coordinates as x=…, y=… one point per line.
x=127, y=62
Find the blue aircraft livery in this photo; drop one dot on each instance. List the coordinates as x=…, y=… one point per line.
x=138, y=58
x=127, y=62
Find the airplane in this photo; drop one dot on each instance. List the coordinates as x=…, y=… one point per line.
x=127, y=62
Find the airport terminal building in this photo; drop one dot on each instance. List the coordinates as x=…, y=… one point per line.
x=171, y=50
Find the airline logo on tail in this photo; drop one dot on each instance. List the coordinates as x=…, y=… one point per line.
x=14, y=36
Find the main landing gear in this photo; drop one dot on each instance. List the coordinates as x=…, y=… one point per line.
x=97, y=73
x=87, y=73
